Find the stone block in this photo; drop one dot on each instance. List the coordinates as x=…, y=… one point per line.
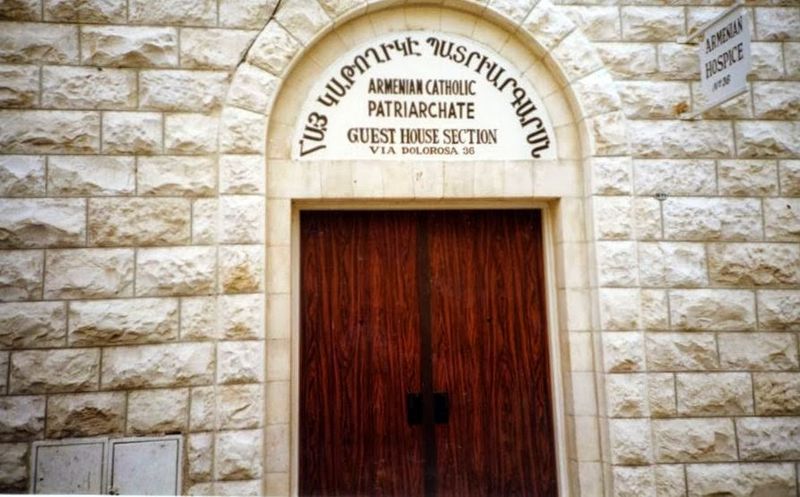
x=253, y=89
x=241, y=268
x=205, y=221
x=242, y=174
x=633, y=481
x=176, y=90
x=613, y=217
x=654, y=311
x=670, y=480
x=33, y=325
x=661, y=395
x=176, y=176
x=240, y=406
x=792, y=60
x=577, y=57
x=677, y=61
x=139, y=221
x=630, y=441
x=188, y=133
x=88, y=88
x=647, y=23
x=90, y=175
x=177, y=12
x=242, y=131
x=203, y=410
x=672, y=264
x=199, y=318
x=777, y=393
x=767, y=139
x=238, y=454
x=782, y=219
x=623, y=352
x=598, y=23
x=200, y=456
x=132, y=132
x=746, y=480
x=748, y=177
x=303, y=19
x=647, y=216
x=106, y=322
x=49, y=131
x=754, y=264
x=19, y=85
x=88, y=273
x=707, y=309
x=629, y=60
x=14, y=467
x=91, y=11
x=776, y=100
x=653, y=99
x=712, y=219
x=21, y=274
x=31, y=223
x=3, y=372
x=21, y=418
x=22, y=176
x=768, y=60
x=675, y=177
x=626, y=395
x=249, y=14
x=694, y=440
x=54, y=371
x=681, y=351
x=38, y=43
x=129, y=46
x=764, y=439
x=273, y=49
x=550, y=25
x=22, y=10
x=242, y=316
x=214, y=48
x=777, y=23
x=242, y=219
x=758, y=351
x=278, y=447
x=240, y=362
x=86, y=415
x=158, y=365
x=700, y=139
x=714, y=394
x=779, y=309
x=153, y=412
x=789, y=171
x=175, y=271
x=249, y=488
x=611, y=176
x=616, y=263
x=619, y=309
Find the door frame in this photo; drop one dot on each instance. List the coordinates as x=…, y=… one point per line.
x=551, y=294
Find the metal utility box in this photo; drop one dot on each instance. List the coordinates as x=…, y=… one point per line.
x=145, y=466
x=74, y=466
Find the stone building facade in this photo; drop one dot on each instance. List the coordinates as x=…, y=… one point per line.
x=150, y=202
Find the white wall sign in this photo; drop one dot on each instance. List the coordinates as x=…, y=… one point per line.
x=421, y=95
x=725, y=58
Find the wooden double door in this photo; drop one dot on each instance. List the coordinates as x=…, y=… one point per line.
x=424, y=358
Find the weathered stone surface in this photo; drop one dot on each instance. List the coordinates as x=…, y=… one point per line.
x=88, y=88
x=706, y=309
x=241, y=174
x=672, y=264
x=681, y=351
x=242, y=219
x=213, y=48
x=242, y=131
x=52, y=371
x=253, y=88
x=754, y=264
x=548, y=23
x=176, y=176
x=85, y=415
x=252, y=14
x=38, y=43
x=203, y=411
x=105, y=322
x=633, y=481
x=652, y=139
x=20, y=10
x=616, y=263
x=88, y=273
x=777, y=393
x=200, y=489
x=764, y=439
x=694, y=440
x=677, y=61
x=740, y=107
x=712, y=219
x=714, y=394
x=777, y=23
x=789, y=171
x=14, y=467
x=273, y=49
x=33, y=325
x=199, y=317
x=21, y=274
x=776, y=100
x=181, y=90
x=792, y=60
x=670, y=480
x=598, y=23
x=598, y=95
x=741, y=480
x=623, y=351
x=767, y=139
x=242, y=316
x=675, y=177
x=127, y=46
x=654, y=312
x=205, y=221
x=748, y=177
x=611, y=176
x=768, y=60
x=240, y=362
x=779, y=309
x=21, y=176
x=44, y=131
x=178, y=12
x=157, y=411
x=241, y=268
x=30, y=223
x=647, y=218
x=577, y=57
x=630, y=441
x=240, y=406
x=626, y=395
x=158, y=365
x=661, y=395
x=99, y=11
x=652, y=23
x=758, y=351
x=629, y=60
x=190, y=133
x=3, y=372
x=619, y=309
x=249, y=488
x=200, y=455
x=304, y=20
x=19, y=85
x=613, y=218
x=238, y=455
x=139, y=221
x=88, y=175
x=132, y=132
x=21, y=418
x=653, y=99
x=175, y=271
x=782, y=219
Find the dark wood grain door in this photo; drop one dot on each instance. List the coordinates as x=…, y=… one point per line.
x=446, y=303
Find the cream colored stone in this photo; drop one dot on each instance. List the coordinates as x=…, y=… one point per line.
x=741, y=480
x=240, y=362
x=199, y=489
x=748, y=177
x=179, y=12
x=777, y=23
x=629, y=60
x=38, y=43
x=598, y=23
x=597, y=95
x=672, y=264
x=714, y=394
x=653, y=99
x=626, y=395
x=14, y=467
x=549, y=25
x=613, y=218
x=88, y=88
x=252, y=14
x=176, y=175
x=238, y=455
x=694, y=440
x=200, y=456
x=153, y=412
x=779, y=309
x=782, y=219
x=242, y=219
x=52, y=371
x=277, y=446
x=767, y=139
x=242, y=131
x=654, y=311
x=701, y=139
x=302, y=19
x=242, y=316
x=190, y=133
x=623, y=351
x=740, y=107
x=630, y=441
x=278, y=402
x=22, y=10
x=608, y=133
x=777, y=393
x=724, y=310
x=4, y=358
x=768, y=60
x=205, y=221
x=86, y=415
x=661, y=395
x=21, y=274
x=32, y=325
x=88, y=273
x=616, y=263
x=22, y=176
x=681, y=351
x=776, y=100
x=675, y=177
x=279, y=359
x=199, y=318
x=253, y=88
x=97, y=11
x=677, y=61
x=273, y=49
x=129, y=46
x=139, y=221
x=632, y=481
x=241, y=268
x=619, y=309
x=105, y=322
x=175, y=271
x=652, y=23
x=758, y=351
x=768, y=438
x=213, y=48
x=90, y=175
x=242, y=174
x=647, y=218
x=19, y=85
x=754, y=264
x=21, y=418
x=250, y=488
x=203, y=411
x=45, y=131
x=132, y=132
x=158, y=365
x=712, y=219
x=670, y=480
x=240, y=406
x=193, y=91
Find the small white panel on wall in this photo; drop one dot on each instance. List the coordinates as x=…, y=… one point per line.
x=68, y=466
x=145, y=466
